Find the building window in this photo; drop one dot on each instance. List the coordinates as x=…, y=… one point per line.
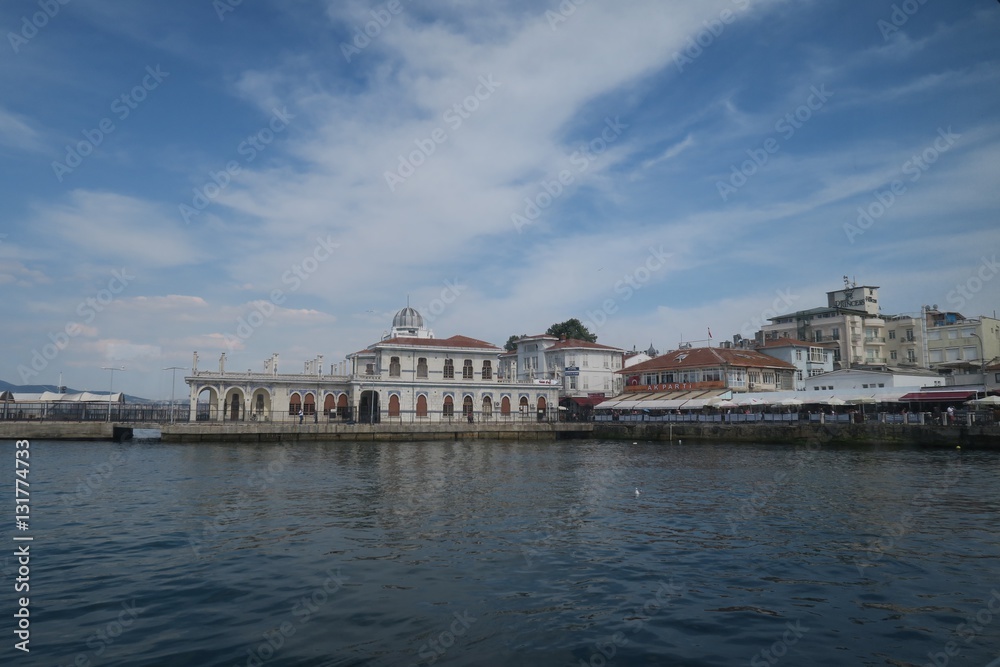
x=586, y=382
x=467, y=369
x=911, y=356
x=970, y=353
x=394, y=405
x=892, y=334
x=487, y=370
x=936, y=356
x=505, y=406
x=818, y=336
x=294, y=404
x=370, y=368
x=572, y=382
x=449, y=369
x=835, y=334
x=449, y=407
x=394, y=368
x=585, y=361
x=909, y=335
x=798, y=355
x=952, y=354
x=892, y=355
x=422, y=367
x=421, y=406
x=487, y=407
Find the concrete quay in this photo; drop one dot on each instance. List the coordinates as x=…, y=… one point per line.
x=868, y=434
x=187, y=432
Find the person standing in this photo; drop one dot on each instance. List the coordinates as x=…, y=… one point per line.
x=301, y=415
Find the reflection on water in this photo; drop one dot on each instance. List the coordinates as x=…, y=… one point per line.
x=507, y=552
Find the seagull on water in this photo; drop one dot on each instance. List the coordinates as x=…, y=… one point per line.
x=637, y=492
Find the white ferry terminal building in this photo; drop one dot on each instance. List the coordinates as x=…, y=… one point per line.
x=408, y=376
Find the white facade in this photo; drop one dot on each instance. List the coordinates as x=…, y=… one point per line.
x=860, y=382
x=409, y=376
x=809, y=360
x=578, y=368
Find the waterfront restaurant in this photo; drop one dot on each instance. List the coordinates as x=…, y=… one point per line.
x=693, y=378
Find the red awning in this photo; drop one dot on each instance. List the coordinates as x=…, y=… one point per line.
x=930, y=396
x=585, y=401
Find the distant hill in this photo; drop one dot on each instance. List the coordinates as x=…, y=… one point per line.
x=39, y=388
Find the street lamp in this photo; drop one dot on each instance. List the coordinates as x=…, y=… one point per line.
x=112, y=384
x=173, y=381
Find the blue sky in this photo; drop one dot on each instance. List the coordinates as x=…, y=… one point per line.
x=265, y=177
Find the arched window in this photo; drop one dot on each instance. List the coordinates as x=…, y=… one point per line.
x=449, y=407
x=329, y=404
x=421, y=406
x=487, y=370
x=294, y=404
x=467, y=407
x=310, y=404
x=422, y=367
x=487, y=407
x=505, y=406
x=523, y=404
x=394, y=367
x=343, y=411
x=467, y=370
x=394, y=405
x=449, y=369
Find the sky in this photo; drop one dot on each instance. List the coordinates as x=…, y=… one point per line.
x=283, y=176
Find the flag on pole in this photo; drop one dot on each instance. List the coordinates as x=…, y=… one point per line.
x=710, y=332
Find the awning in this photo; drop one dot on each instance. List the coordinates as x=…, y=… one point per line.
x=585, y=401
x=931, y=396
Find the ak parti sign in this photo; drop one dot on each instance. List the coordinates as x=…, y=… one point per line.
x=675, y=386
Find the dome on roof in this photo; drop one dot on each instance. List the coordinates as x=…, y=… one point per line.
x=408, y=318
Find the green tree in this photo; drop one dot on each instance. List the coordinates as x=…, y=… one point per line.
x=572, y=328
x=511, y=343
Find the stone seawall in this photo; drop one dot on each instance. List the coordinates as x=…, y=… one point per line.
x=253, y=432
x=861, y=434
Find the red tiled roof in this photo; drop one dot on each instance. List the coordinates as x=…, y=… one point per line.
x=708, y=357
x=454, y=341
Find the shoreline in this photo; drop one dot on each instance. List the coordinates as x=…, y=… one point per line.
x=872, y=433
